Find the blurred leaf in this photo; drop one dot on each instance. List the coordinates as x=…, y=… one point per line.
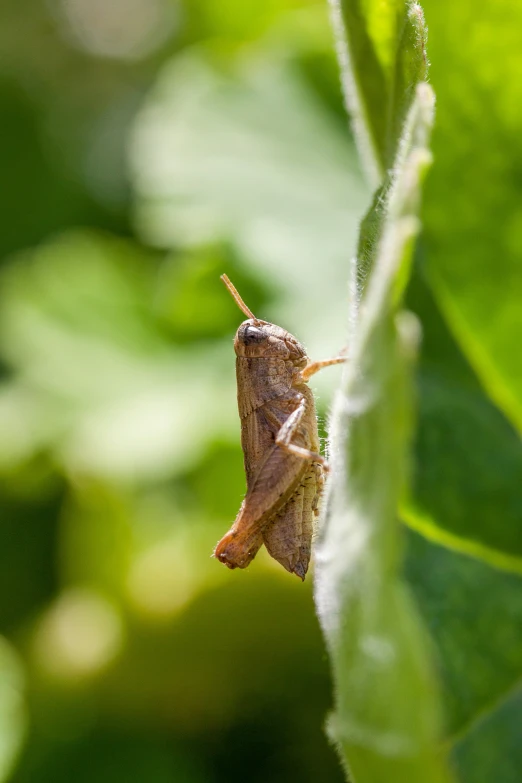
x=472, y=207
x=235, y=156
x=491, y=750
x=13, y=720
x=386, y=720
x=186, y=685
x=218, y=482
x=191, y=302
x=96, y=536
x=107, y=753
x=39, y=195
x=80, y=283
x=236, y=22
x=474, y=613
x=94, y=376
x=78, y=636
x=29, y=535
x=64, y=119
x=149, y=549
x=253, y=644
x=468, y=468
x=466, y=477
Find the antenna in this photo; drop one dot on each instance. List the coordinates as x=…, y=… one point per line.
x=242, y=306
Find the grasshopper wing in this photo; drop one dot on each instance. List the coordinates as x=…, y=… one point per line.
x=273, y=476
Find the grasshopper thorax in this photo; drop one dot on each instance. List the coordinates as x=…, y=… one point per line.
x=261, y=339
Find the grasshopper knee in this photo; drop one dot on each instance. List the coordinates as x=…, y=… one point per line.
x=234, y=552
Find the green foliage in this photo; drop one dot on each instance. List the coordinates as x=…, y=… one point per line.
x=386, y=716
x=474, y=268
x=383, y=54
x=465, y=494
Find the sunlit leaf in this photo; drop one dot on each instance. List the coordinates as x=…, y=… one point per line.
x=386, y=720
x=383, y=56
x=472, y=208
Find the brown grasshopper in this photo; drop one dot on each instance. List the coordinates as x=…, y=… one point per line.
x=283, y=466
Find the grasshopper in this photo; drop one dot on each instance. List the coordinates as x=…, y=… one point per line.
x=283, y=466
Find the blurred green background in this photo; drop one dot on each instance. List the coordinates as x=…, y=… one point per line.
x=147, y=147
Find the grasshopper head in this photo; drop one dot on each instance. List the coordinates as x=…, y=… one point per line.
x=256, y=338
x=261, y=339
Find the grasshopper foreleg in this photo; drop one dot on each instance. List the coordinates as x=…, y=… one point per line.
x=288, y=430
x=314, y=367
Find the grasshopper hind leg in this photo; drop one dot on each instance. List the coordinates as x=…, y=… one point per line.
x=313, y=486
x=234, y=552
x=288, y=536
x=240, y=545
x=282, y=535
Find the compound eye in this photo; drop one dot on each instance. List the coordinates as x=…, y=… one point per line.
x=252, y=335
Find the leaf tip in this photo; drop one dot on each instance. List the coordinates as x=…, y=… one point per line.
x=416, y=17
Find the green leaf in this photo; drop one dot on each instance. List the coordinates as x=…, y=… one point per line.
x=383, y=58
x=468, y=462
x=468, y=457
x=467, y=501
x=380, y=76
x=472, y=209
x=474, y=613
x=491, y=750
x=465, y=497
x=386, y=719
